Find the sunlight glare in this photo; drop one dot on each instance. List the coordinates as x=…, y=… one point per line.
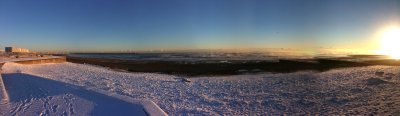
x=390, y=43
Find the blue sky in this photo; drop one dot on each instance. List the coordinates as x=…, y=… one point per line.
x=116, y=25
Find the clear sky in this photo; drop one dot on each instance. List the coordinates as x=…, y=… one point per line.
x=115, y=25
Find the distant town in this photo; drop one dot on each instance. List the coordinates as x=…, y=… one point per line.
x=15, y=50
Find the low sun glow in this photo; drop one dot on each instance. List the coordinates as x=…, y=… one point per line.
x=390, y=42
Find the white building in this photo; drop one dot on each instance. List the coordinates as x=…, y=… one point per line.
x=16, y=50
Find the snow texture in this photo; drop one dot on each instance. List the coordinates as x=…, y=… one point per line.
x=349, y=91
x=32, y=95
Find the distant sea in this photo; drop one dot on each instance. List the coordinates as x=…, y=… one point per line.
x=222, y=56
x=192, y=56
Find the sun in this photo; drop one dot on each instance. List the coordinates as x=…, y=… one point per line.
x=390, y=42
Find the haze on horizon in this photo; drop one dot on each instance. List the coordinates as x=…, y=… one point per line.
x=122, y=25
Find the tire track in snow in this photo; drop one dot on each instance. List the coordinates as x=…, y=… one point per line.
x=20, y=108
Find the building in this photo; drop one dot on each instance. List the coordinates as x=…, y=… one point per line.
x=16, y=50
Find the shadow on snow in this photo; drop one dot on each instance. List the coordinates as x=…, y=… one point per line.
x=21, y=87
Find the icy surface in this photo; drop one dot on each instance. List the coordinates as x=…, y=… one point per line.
x=347, y=91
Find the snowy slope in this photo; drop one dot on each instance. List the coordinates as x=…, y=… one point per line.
x=343, y=91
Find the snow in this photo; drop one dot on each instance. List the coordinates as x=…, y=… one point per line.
x=32, y=95
x=3, y=98
x=340, y=91
x=5, y=59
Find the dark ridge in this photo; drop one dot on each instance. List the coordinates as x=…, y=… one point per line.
x=388, y=62
x=327, y=64
x=367, y=56
x=190, y=68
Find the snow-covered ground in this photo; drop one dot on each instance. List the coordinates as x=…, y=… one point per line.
x=29, y=95
x=6, y=59
x=342, y=91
